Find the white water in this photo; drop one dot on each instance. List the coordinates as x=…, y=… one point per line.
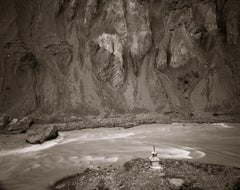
x=28, y=167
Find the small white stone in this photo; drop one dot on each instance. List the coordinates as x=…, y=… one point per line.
x=176, y=183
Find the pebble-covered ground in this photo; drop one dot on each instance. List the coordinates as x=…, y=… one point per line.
x=137, y=175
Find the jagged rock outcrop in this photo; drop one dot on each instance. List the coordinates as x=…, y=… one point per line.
x=93, y=57
x=19, y=126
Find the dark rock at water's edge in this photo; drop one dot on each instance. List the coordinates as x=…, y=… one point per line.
x=137, y=175
x=91, y=57
x=39, y=133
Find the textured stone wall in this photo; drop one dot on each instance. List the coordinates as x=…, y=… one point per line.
x=116, y=56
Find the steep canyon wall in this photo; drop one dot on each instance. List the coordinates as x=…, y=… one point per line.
x=93, y=57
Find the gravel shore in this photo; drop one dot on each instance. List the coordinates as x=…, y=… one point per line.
x=137, y=175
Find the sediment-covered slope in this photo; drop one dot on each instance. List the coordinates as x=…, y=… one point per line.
x=118, y=56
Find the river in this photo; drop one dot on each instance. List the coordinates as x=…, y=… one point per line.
x=27, y=167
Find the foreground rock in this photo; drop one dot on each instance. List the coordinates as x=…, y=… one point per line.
x=136, y=174
x=40, y=133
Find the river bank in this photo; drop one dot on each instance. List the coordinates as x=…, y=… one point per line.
x=137, y=175
x=68, y=123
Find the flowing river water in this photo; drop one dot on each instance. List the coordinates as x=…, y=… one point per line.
x=35, y=167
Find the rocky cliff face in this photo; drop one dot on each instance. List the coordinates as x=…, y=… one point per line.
x=119, y=56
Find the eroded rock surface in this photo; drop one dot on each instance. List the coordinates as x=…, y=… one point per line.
x=19, y=126
x=94, y=57
x=39, y=133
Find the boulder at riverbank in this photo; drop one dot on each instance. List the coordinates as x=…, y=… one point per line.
x=40, y=133
x=136, y=174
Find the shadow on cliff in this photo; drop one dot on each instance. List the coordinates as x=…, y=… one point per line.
x=1, y=187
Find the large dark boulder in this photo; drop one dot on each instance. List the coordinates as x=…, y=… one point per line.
x=39, y=133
